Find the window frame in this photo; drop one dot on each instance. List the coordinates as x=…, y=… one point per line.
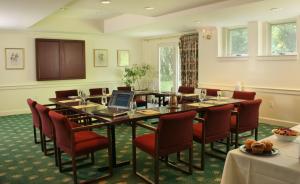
x=269, y=38
x=228, y=50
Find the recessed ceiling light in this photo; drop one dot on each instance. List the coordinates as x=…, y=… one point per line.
x=149, y=8
x=106, y=2
x=275, y=9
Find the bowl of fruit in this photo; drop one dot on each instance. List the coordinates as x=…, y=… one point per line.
x=285, y=134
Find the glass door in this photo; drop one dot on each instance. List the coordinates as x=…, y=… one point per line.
x=169, y=74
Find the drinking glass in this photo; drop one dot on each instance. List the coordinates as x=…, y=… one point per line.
x=219, y=95
x=103, y=100
x=132, y=107
x=202, y=94
x=104, y=91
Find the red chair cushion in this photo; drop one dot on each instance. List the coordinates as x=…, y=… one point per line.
x=88, y=141
x=73, y=124
x=146, y=143
x=197, y=131
x=233, y=123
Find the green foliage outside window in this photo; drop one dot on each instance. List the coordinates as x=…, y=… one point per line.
x=167, y=67
x=283, y=38
x=238, y=42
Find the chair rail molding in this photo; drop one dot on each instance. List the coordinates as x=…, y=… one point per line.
x=56, y=85
x=274, y=90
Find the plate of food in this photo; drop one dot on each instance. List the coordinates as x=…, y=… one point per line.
x=285, y=134
x=260, y=148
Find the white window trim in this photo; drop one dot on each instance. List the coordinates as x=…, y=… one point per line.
x=223, y=51
x=264, y=53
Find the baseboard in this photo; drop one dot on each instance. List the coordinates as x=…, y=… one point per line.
x=277, y=122
x=15, y=112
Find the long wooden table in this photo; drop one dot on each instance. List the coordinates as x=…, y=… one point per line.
x=142, y=114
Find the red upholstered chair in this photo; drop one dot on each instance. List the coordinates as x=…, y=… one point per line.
x=244, y=95
x=140, y=101
x=212, y=92
x=66, y=93
x=173, y=134
x=97, y=91
x=124, y=88
x=185, y=90
x=245, y=119
x=213, y=127
x=48, y=128
x=35, y=120
x=78, y=141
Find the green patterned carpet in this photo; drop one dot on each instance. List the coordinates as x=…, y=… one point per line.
x=22, y=162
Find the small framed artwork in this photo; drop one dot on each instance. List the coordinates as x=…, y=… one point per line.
x=100, y=57
x=14, y=58
x=123, y=57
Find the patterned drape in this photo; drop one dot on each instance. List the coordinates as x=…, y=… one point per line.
x=188, y=46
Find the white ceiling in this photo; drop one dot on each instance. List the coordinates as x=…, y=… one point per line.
x=20, y=14
x=93, y=9
x=129, y=18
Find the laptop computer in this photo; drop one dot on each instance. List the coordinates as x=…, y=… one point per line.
x=118, y=105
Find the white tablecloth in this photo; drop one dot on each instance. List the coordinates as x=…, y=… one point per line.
x=284, y=168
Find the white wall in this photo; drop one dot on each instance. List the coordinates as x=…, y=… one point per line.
x=276, y=82
x=17, y=85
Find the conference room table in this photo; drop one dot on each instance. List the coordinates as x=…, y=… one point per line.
x=283, y=168
x=141, y=114
x=160, y=95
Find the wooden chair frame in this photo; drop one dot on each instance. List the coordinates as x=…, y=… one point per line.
x=156, y=156
x=74, y=160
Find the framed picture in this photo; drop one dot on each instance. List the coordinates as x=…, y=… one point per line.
x=14, y=58
x=100, y=57
x=123, y=57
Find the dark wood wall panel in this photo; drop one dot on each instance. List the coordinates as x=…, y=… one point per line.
x=72, y=65
x=60, y=59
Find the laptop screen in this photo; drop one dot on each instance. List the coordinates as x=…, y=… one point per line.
x=121, y=99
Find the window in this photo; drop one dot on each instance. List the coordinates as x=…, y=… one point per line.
x=283, y=38
x=169, y=69
x=237, y=40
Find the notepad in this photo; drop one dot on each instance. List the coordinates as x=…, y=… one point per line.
x=199, y=105
x=220, y=98
x=188, y=95
x=69, y=101
x=84, y=106
x=148, y=112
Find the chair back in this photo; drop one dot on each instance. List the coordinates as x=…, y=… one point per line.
x=35, y=115
x=248, y=114
x=124, y=88
x=212, y=92
x=217, y=123
x=175, y=132
x=47, y=125
x=185, y=89
x=66, y=93
x=244, y=95
x=62, y=129
x=97, y=91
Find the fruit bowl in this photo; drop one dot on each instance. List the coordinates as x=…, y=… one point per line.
x=285, y=134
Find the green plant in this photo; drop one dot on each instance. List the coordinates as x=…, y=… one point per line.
x=134, y=74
